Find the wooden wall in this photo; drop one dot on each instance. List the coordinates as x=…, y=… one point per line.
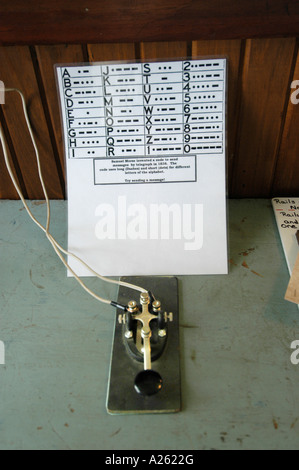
x=263, y=123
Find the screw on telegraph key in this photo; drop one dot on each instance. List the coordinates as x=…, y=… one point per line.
x=145, y=368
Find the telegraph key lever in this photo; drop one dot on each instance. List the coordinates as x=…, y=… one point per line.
x=147, y=382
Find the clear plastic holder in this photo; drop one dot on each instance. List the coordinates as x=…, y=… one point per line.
x=145, y=146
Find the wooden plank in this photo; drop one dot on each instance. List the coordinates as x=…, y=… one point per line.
x=47, y=22
x=7, y=190
x=107, y=52
x=19, y=72
x=47, y=57
x=265, y=82
x=232, y=50
x=286, y=177
x=164, y=50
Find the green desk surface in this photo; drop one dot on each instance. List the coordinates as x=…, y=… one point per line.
x=239, y=387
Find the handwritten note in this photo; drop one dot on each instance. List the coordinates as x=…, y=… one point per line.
x=286, y=212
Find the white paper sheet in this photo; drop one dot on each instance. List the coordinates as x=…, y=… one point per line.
x=286, y=211
x=146, y=173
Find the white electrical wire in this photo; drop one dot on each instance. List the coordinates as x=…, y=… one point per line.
x=56, y=246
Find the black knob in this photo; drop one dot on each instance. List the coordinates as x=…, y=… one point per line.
x=148, y=382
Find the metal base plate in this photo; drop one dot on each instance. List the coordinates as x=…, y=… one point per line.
x=122, y=397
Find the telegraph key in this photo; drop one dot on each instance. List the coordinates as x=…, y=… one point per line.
x=145, y=369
